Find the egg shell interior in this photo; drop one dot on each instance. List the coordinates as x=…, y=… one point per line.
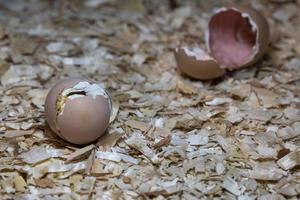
x=232, y=38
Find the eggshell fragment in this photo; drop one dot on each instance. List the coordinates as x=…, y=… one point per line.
x=197, y=64
x=237, y=36
x=78, y=110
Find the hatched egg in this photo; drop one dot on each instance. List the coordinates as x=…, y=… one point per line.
x=195, y=63
x=236, y=37
x=78, y=110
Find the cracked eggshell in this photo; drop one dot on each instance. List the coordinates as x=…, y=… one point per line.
x=77, y=116
x=195, y=63
x=237, y=36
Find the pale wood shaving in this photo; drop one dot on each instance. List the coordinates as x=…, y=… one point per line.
x=169, y=137
x=80, y=152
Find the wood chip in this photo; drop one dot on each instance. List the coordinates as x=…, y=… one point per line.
x=80, y=152
x=268, y=98
x=186, y=88
x=44, y=183
x=163, y=142
x=20, y=183
x=290, y=160
x=241, y=91
x=107, y=141
x=266, y=171
x=18, y=133
x=138, y=125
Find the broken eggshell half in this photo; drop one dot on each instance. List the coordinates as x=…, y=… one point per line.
x=78, y=110
x=237, y=36
x=195, y=63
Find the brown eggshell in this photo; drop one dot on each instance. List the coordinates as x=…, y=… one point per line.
x=82, y=120
x=237, y=36
x=203, y=69
x=50, y=103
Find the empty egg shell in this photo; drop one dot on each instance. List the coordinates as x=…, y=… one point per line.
x=195, y=63
x=237, y=36
x=78, y=110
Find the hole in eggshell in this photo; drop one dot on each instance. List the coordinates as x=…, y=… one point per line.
x=62, y=98
x=76, y=92
x=231, y=38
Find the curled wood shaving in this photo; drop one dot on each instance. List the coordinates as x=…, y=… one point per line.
x=290, y=160
x=79, y=153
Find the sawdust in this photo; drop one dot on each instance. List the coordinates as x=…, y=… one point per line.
x=170, y=137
